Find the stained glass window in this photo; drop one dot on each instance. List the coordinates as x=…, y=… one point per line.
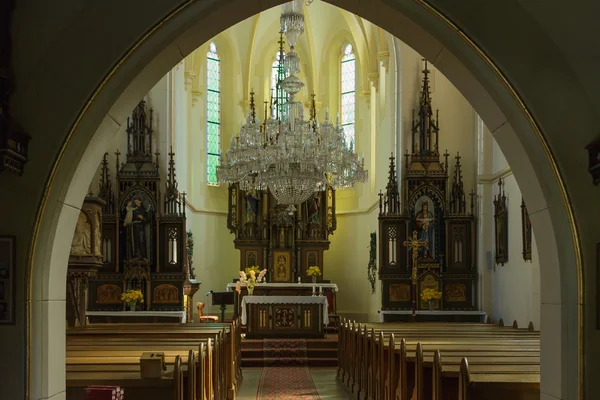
x=348, y=98
x=279, y=96
x=213, y=114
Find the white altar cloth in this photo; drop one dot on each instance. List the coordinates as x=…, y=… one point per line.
x=175, y=314
x=286, y=300
x=333, y=286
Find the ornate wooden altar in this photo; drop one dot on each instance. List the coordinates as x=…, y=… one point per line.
x=143, y=229
x=285, y=240
x=284, y=316
x=438, y=213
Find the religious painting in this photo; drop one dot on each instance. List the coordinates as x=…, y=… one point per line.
x=251, y=206
x=137, y=218
x=108, y=294
x=501, y=225
x=251, y=258
x=425, y=225
x=7, y=279
x=166, y=294
x=282, y=266
x=399, y=292
x=455, y=292
x=526, y=231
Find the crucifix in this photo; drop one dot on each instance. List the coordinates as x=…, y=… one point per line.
x=414, y=244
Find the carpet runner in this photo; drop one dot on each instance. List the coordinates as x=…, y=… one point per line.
x=286, y=375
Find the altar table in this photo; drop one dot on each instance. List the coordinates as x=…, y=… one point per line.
x=135, y=316
x=285, y=316
x=328, y=290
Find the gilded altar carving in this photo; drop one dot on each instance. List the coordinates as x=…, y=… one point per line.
x=399, y=292
x=284, y=317
x=108, y=294
x=456, y=292
x=166, y=294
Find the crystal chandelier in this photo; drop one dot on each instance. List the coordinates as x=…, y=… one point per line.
x=289, y=155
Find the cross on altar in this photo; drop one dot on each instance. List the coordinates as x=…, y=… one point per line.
x=414, y=244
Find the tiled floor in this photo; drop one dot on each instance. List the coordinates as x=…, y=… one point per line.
x=327, y=385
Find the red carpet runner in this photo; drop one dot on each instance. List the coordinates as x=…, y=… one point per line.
x=286, y=375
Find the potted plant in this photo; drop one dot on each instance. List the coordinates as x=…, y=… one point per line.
x=430, y=295
x=131, y=297
x=251, y=277
x=313, y=272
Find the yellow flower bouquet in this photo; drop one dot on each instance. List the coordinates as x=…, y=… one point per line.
x=313, y=271
x=131, y=297
x=254, y=268
x=430, y=294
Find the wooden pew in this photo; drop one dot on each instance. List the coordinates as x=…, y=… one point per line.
x=230, y=358
x=363, y=345
x=110, y=360
x=171, y=386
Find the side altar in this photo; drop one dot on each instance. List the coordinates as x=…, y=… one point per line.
x=143, y=232
x=427, y=241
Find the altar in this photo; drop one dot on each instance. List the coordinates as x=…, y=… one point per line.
x=327, y=290
x=285, y=316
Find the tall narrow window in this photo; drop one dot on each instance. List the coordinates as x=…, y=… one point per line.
x=213, y=114
x=480, y=155
x=348, y=100
x=278, y=73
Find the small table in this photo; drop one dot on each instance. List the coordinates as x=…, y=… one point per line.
x=285, y=316
x=135, y=316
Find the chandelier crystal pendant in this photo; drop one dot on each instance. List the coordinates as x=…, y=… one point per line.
x=289, y=155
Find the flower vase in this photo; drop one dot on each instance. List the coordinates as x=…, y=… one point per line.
x=431, y=305
x=132, y=305
x=250, y=290
x=314, y=279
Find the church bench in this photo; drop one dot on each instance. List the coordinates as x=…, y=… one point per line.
x=477, y=384
x=363, y=380
x=349, y=335
x=359, y=349
x=169, y=387
x=231, y=357
x=114, y=344
x=206, y=379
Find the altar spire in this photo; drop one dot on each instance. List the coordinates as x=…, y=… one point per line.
x=425, y=130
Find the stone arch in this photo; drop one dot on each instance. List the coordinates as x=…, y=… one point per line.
x=99, y=117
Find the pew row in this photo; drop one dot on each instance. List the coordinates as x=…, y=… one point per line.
x=374, y=364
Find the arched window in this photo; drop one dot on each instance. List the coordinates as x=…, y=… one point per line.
x=278, y=73
x=213, y=114
x=348, y=97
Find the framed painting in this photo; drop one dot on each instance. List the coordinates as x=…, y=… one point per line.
x=526, y=231
x=7, y=279
x=501, y=225
x=282, y=266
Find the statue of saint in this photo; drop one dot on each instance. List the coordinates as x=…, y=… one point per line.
x=136, y=219
x=314, y=206
x=425, y=226
x=81, y=244
x=251, y=206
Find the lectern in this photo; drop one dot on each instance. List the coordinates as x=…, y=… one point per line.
x=222, y=299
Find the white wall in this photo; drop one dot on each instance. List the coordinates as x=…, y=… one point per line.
x=510, y=291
